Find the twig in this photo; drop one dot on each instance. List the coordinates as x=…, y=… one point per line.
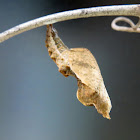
x=132, y=28
x=126, y=10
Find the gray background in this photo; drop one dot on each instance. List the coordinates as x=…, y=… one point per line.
x=38, y=103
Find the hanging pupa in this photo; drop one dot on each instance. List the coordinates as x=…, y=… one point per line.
x=80, y=63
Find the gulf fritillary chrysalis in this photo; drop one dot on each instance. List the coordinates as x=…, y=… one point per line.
x=80, y=63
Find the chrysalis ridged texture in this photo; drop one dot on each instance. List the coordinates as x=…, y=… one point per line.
x=80, y=63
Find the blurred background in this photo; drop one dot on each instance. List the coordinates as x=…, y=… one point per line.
x=39, y=103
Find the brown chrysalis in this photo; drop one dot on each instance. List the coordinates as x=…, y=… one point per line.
x=80, y=63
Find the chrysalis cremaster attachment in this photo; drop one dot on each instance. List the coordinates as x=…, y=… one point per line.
x=80, y=63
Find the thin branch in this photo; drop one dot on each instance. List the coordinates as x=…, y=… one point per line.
x=132, y=28
x=126, y=10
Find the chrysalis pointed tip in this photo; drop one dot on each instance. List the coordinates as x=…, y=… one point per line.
x=107, y=116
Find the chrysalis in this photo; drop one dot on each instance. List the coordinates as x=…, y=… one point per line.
x=80, y=63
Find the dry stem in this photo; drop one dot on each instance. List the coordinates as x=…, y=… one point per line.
x=125, y=10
